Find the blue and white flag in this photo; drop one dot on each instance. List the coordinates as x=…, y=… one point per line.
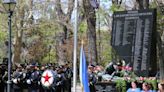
x=83, y=71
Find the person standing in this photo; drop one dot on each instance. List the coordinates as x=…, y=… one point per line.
x=68, y=75
x=35, y=79
x=2, y=72
x=27, y=81
x=92, y=78
x=17, y=76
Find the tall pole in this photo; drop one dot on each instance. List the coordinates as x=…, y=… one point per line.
x=75, y=47
x=9, y=53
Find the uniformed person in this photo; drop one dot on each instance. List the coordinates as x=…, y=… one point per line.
x=41, y=88
x=68, y=75
x=35, y=79
x=92, y=78
x=27, y=81
x=17, y=79
x=4, y=77
x=60, y=80
x=2, y=72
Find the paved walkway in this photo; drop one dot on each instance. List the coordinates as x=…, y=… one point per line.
x=78, y=88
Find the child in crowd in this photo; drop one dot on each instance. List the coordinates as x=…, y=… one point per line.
x=134, y=87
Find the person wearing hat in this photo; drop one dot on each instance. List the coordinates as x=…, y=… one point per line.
x=68, y=75
x=27, y=81
x=35, y=79
x=60, y=80
x=4, y=76
x=92, y=78
x=17, y=76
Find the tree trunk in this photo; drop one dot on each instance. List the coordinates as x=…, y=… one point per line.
x=160, y=44
x=160, y=4
x=142, y=4
x=99, y=41
x=17, y=49
x=160, y=41
x=60, y=49
x=117, y=2
x=63, y=36
x=91, y=22
x=19, y=32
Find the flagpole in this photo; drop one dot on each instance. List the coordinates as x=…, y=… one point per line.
x=83, y=70
x=75, y=47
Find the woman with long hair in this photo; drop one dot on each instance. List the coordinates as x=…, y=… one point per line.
x=134, y=87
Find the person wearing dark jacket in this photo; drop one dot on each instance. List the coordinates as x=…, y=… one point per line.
x=92, y=79
x=17, y=79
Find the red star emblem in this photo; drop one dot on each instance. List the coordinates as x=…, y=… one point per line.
x=47, y=77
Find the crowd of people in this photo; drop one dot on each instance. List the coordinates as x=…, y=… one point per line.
x=26, y=78
x=138, y=84
x=146, y=87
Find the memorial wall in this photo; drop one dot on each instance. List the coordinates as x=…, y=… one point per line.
x=133, y=37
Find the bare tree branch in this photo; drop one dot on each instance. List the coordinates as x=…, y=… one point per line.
x=70, y=8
